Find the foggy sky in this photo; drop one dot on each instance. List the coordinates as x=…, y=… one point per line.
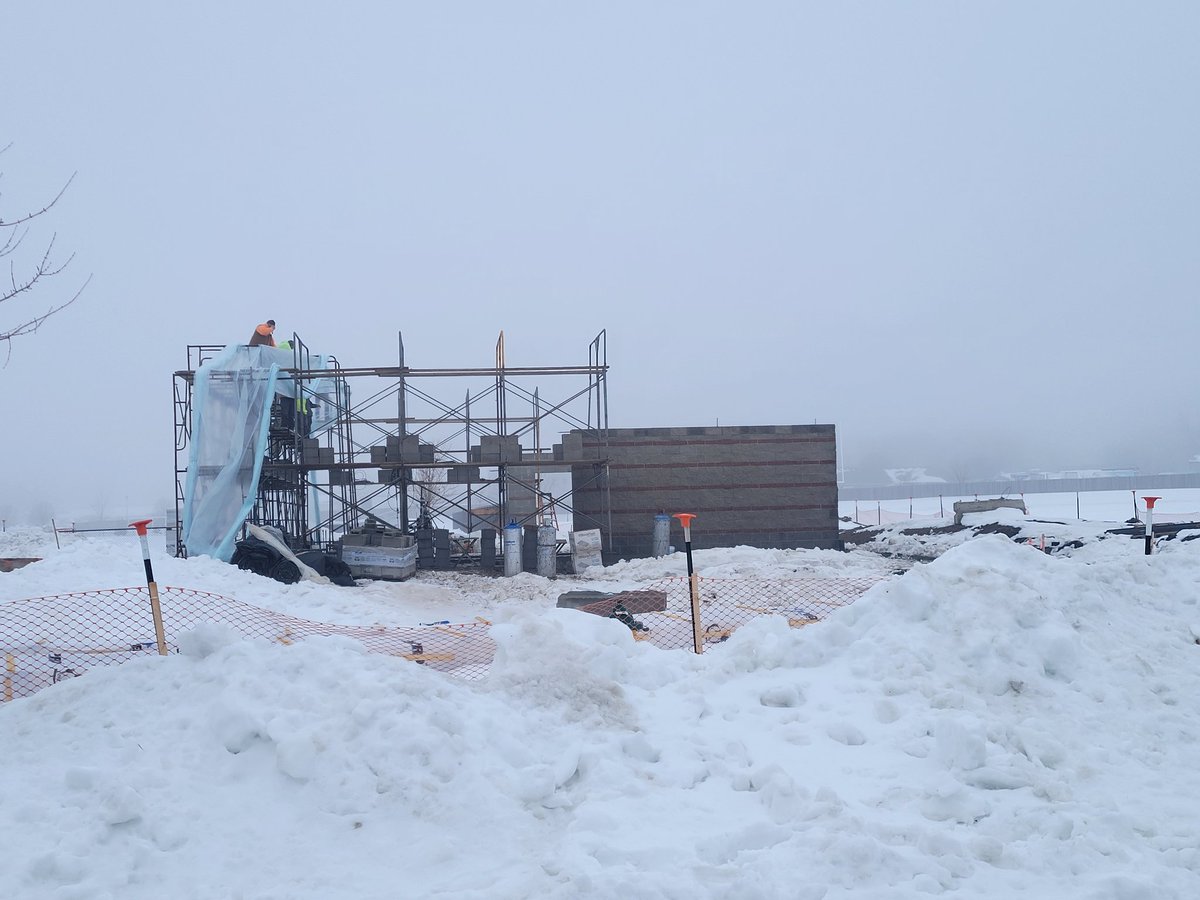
x=965, y=234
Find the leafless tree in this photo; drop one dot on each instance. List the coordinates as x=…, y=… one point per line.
x=430, y=484
x=32, y=273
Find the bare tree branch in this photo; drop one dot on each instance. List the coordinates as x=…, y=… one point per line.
x=33, y=324
x=28, y=217
x=45, y=268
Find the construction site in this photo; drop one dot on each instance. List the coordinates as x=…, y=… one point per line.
x=442, y=467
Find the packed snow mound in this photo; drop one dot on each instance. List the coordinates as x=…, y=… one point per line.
x=996, y=723
x=927, y=539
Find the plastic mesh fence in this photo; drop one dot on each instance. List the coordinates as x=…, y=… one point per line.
x=47, y=639
x=661, y=613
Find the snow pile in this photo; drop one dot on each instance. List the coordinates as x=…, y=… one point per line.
x=927, y=539
x=996, y=723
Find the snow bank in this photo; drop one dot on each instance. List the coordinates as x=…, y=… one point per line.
x=996, y=723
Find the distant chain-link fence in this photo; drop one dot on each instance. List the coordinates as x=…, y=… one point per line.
x=47, y=639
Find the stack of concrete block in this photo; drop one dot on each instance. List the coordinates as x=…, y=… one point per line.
x=433, y=548
x=406, y=449
x=462, y=475
x=529, y=548
x=487, y=549
x=376, y=551
x=313, y=454
x=376, y=534
x=425, y=548
x=442, y=558
x=497, y=449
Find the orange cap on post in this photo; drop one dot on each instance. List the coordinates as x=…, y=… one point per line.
x=1150, y=501
x=141, y=526
x=685, y=519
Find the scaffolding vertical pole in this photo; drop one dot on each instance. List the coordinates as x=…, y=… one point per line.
x=467, y=458
x=537, y=459
x=501, y=428
x=402, y=431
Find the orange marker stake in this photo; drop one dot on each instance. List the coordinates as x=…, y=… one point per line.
x=155, y=610
x=685, y=519
x=1150, y=501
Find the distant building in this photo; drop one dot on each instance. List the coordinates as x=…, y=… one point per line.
x=1039, y=475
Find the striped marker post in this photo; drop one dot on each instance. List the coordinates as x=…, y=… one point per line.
x=155, y=610
x=685, y=519
x=1150, y=501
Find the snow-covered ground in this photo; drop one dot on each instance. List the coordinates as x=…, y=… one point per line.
x=996, y=723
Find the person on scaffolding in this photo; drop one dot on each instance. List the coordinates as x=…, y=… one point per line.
x=264, y=335
x=301, y=419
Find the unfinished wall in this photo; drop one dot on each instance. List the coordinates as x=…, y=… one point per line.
x=762, y=485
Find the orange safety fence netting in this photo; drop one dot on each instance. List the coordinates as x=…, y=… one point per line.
x=47, y=639
x=661, y=613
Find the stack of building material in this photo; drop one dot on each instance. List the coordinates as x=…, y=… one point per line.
x=408, y=449
x=487, y=549
x=462, y=475
x=376, y=551
x=313, y=454
x=497, y=449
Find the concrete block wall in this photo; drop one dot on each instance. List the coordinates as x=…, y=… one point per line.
x=762, y=485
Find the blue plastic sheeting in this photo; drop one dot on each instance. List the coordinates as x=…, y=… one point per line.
x=231, y=415
x=231, y=412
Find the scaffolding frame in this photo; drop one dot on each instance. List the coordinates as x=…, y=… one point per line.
x=316, y=497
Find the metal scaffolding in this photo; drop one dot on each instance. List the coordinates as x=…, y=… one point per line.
x=405, y=454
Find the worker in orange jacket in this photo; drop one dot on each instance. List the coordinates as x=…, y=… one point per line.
x=264, y=335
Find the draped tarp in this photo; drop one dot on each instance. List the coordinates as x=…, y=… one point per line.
x=231, y=413
x=231, y=417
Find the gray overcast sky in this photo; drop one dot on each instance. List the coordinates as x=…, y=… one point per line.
x=964, y=233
